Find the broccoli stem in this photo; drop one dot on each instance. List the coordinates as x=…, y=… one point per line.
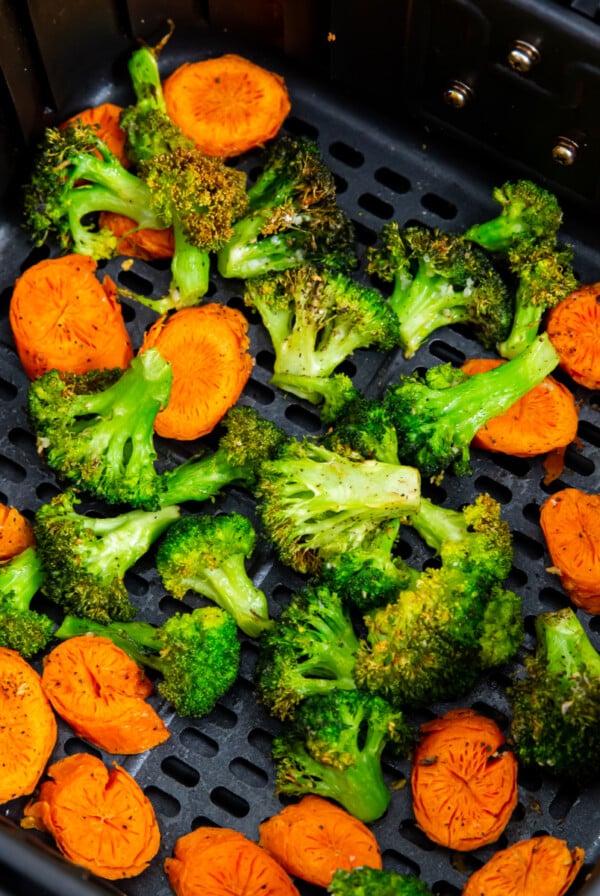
x=246, y=254
x=429, y=304
x=199, y=479
x=21, y=578
x=564, y=644
x=190, y=269
x=122, y=540
x=135, y=638
x=438, y=525
x=526, y=323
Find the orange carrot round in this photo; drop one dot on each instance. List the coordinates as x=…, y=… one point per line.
x=105, y=119
x=99, y=818
x=574, y=330
x=62, y=317
x=543, y=420
x=541, y=865
x=16, y=532
x=314, y=838
x=102, y=693
x=28, y=729
x=214, y=861
x=570, y=521
x=464, y=787
x=207, y=347
x=227, y=105
x=143, y=243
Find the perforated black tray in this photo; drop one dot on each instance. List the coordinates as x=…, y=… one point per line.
x=218, y=769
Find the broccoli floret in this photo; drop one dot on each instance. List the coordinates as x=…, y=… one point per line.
x=293, y=217
x=556, y=700
x=316, y=504
x=75, y=176
x=544, y=276
x=22, y=628
x=333, y=747
x=316, y=319
x=85, y=558
x=365, y=881
x=528, y=213
x=196, y=653
x=96, y=429
x=436, y=423
x=207, y=555
x=440, y=279
x=332, y=393
x=248, y=440
x=199, y=196
x=310, y=650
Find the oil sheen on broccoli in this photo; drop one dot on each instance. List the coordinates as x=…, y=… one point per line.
x=22, y=628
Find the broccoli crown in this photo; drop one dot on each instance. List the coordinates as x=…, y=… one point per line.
x=247, y=440
x=96, y=429
x=207, y=555
x=365, y=881
x=363, y=428
x=440, y=279
x=528, y=212
x=293, y=216
x=22, y=628
x=556, y=700
x=503, y=628
x=334, y=745
x=436, y=423
x=196, y=653
x=85, y=558
x=310, y=650
x=75, y=175
x=315, y=503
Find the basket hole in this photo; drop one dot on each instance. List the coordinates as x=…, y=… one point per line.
x=446, y=353
x=261, y=740
x=365, y=236
x=223, y=717
x=589, y=433
x=164, y=803
x=197, y=742
x=412, y=834
x=136, y=283
x=518, y=466
x=229, y=802
x=441, y=207
x=531, y=512
x=578, y=462
x=248, y=773
x=8, y=391
x=301, y=128
x=400, y=863
x=376, y=206
x=499, y=492
x=393, y=180
x=532, y=549
x=22, y=439
x=12, y=471
x=302, y=417
x=74, y=745
x=346, y=154
x=265, y=360
x=180, y=771
x=259, y=392
x=566, y=797
x=552, y=599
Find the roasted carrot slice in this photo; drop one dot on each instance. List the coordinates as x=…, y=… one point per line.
x=544, y=420
x=464, y=786
x=213, y=861
x=102, y=693
x=143, y=243
x=28, y=728
x=541, y=865
x=16, y=532
x=228, y=104
x=314, y=838
x=99, y=818
x=105, y=118
x=574, y=330
x=570, y=521
x=207, y=347
x=62, y=317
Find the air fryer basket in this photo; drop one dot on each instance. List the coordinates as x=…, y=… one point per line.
x=218, y=769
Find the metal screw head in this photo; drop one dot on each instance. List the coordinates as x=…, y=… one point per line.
x=523, y=56
x=457, y=94
x=565, y=151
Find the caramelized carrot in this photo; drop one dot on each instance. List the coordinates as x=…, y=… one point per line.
x=207, y=347
x=574, y=330
x=28, y=728
x=314, y=838
x=105, y=119
x=102, y=693
x=100, y=819
x=570, y=521
x=227, y=104
x=213, y=861
x=16, y=532
x=543, y=420
x=541, y=865
x=464, y=785
x=62, y=317
x=144, y=243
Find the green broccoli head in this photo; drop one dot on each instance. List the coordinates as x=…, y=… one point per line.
x=365, y=881
x=333, y=747
x=22, y=628
x=556, y=700
x=528, y=213
x=310, y=650
x=96, y=429
x=207, y=554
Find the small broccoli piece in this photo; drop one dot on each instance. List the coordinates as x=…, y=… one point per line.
x=248, y=440
x=96, y=429
x=310, y=650
x=556, y=700
x=207, y=555
x=440, y=279
x=75, y=176
x=197, y=653
x=333, y=747
x=332, y=393
x=528, y=213
x=85, y=558
x=22, y=628
x=544, y=275
x=293, y=217
x=317, y=318
x=316, y=504
x=365, y=881
x=436, y=424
